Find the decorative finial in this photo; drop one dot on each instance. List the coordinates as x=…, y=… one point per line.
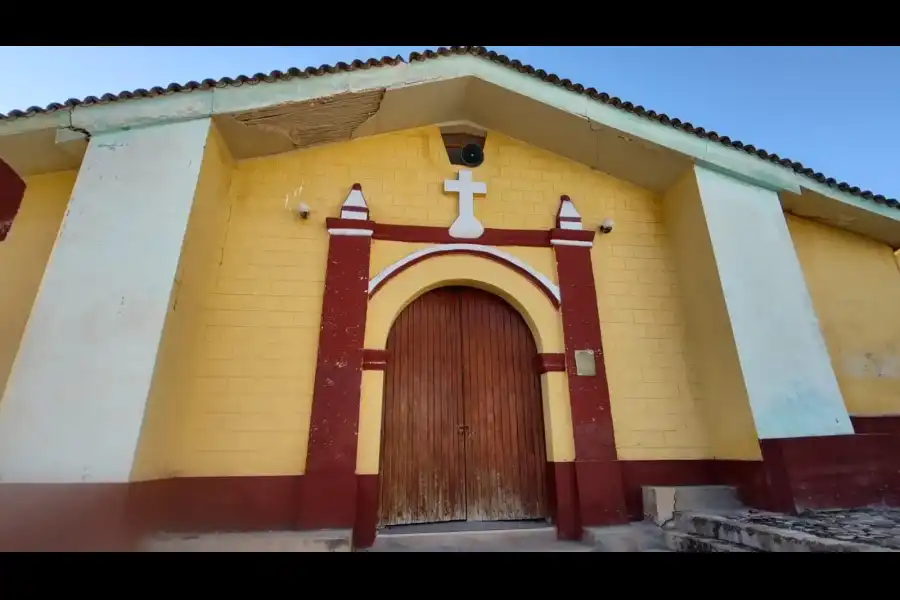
x=567, y=216
x=355, y=206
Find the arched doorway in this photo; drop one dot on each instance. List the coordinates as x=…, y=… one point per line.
x=463, y=432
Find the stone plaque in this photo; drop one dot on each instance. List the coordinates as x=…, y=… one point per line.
x=584, y=363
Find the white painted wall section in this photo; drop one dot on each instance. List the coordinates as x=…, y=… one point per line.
x=75, y=399
x=792, y=387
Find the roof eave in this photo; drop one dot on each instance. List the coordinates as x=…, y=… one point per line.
x=200, y=103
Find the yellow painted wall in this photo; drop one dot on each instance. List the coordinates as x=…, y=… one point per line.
x=719, y=387
x=184, y=418
x=854, y=282
x=24, y=255
x=385, y=254
x=246, y=408
x=463, y=269
x=652, y=389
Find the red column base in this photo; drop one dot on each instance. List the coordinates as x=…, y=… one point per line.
x=586, y=494
x=564, y=500
x=364, y=530
x=327, y=500
x=601, y=498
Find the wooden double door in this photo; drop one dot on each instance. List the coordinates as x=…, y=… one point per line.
x=463, y=433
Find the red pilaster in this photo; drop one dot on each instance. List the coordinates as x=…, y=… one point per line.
x=329, y=490
x=598, y=476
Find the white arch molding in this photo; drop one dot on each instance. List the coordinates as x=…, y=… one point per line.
x=540, y=278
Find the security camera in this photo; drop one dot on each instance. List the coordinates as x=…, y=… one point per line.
x=606, y=226
x=472, y=155
x=302, y=210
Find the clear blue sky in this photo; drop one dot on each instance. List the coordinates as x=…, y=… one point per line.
x=836, y=110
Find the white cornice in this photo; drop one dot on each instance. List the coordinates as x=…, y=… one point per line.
x=217, y=101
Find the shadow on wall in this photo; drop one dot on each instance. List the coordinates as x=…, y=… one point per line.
x=12, y=190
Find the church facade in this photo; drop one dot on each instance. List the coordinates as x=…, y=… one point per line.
x=449, y=288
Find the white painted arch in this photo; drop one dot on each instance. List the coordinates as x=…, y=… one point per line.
x=418, y=255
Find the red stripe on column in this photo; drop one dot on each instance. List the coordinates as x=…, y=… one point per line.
x=329, y=493
x=599, y=481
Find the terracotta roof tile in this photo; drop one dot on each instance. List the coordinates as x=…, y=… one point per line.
x=480, y=51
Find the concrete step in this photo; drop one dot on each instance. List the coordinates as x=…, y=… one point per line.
x=661, y=503
x=633, y=537
x=535, y=539
x=331, y=540
x=687, y=542
x=730, y=528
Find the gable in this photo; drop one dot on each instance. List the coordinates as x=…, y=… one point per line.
x=468, y=83
x=402, y=176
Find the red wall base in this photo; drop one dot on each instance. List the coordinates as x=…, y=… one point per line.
x=61, y=517
x=832, y=472
x=796, y=474
x=880, y=424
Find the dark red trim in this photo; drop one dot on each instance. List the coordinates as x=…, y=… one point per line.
x=335, y=223
x=360, y=209
x=60, y=517
x=12, y=191
x=563, y=496
x=491, y=237
x=365, y=528
x=838, y=471
x=599, y=484
x=441, y=235
x=780, y=496
x=496, y=259
x=374, y=360
x=876, y=424
x=572, y=235
x=549, y=361
x=832, y=472
x=330, y=498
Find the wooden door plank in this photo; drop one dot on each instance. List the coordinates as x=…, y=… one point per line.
x=422, y=464
x=505, y=453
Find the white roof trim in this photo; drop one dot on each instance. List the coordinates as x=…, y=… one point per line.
x=206, y=103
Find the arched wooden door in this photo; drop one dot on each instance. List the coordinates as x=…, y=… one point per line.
x=463, y=434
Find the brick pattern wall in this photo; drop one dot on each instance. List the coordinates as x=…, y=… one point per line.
x=855, y=287
x=24, y=255
x=252, y=390
x=654, y=392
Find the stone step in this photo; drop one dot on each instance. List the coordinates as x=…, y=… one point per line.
x=730, y=528
x=678, y=541
x=534, y=539
x=633, y=537
x=661, y=503
x=330, y=540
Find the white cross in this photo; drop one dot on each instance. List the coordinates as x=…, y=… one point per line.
x=466, y=226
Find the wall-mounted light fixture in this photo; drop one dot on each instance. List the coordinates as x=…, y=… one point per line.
x=606, y=226
x=301, y=209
